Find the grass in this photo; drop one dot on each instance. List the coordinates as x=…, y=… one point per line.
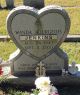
x=63, y=2
x=48, y=2
x=6, y=49
x=74, y=14
x=72, y=49
x=3, y=15
x=16, y=2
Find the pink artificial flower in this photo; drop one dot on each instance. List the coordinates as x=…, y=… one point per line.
x=54, y=94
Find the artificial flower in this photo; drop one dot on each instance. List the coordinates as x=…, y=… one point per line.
x=54, y=93
x=44, y=93
x=53, y=89
x=32, y=94
x=42, y=82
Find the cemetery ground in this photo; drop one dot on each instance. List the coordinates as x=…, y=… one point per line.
x=72, y=49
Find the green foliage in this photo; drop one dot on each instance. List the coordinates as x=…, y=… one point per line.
x=3, y=79
x=14, y=92
x=35, y=91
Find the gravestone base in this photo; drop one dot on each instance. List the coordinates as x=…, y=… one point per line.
x=66, y=80
x=23, y=65
x=61, y=80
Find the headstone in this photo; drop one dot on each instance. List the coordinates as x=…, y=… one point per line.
x=0, y=5
x=10, y=3
x=34, y=3
x=1, y=60
x=38, y=34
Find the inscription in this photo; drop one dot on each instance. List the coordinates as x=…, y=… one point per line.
x=45, y=44
x=54, y=66
x=31, y=67
x=25, y=67
x=41, y=32
x=43, y=39
x=38, y=47
x=38, y=37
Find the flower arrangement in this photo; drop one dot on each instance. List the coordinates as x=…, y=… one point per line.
x=43, y=84
x=44, y=87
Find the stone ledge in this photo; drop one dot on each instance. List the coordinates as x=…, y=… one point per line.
x=66, y=80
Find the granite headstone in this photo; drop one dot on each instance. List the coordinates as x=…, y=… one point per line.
x=10, y=3
x=38, y=34
x=34, y=3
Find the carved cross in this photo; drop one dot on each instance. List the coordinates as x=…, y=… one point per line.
x=40, y=70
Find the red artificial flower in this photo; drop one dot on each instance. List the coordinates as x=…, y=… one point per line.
x=1, y=72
